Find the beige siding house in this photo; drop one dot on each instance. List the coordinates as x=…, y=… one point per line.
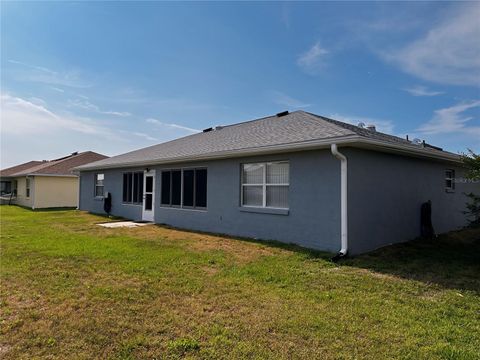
x=45, y=184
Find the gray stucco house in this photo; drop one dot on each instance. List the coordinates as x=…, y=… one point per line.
x=293, y=177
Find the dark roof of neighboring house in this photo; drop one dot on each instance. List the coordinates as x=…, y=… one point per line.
x=17, y=168
x=282, y=132
x=61, y=166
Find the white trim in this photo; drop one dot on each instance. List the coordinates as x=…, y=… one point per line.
x=95, y=185
x=264, y=184
x=450, y=189
x=343, y=198
x=148, y=215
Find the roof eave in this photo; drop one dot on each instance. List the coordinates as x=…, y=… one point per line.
x=351, y=140
x=410, y=150
x=264, y=150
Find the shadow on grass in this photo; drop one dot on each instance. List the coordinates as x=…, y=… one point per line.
x=308, y=253
x=451, y=260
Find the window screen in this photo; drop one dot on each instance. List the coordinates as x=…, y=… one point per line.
x=176, y=187
x=201, y=188
x=188, y=183
x=133, y=187
x=185, y=188
x=165, y=193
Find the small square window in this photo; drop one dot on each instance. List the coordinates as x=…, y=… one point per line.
x=99, y=185
x=27, y=187
x=450, y=180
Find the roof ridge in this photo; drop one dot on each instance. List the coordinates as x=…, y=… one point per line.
x=197, y=133
x=253, y=120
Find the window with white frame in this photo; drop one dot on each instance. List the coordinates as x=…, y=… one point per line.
x=450, y=180
x=265, y=185
x=99, y=185
x=27, y=187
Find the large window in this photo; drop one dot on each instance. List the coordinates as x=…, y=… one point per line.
x=450, y=180
x=133, y=187
x=265, y=185
x=27, y=187
x=99, y=184
x=184, y=188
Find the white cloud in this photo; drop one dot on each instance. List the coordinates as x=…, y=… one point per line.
x=452, y=120
x=419, y=90
x=145, y=136
x=57, y=89
x=448, y=53
x=32, y=130
x=286, y=100
x=313, y=60
x=34, y=73
x=87, y=105
x=20, y=116
x=175, y=126
x=385, y=126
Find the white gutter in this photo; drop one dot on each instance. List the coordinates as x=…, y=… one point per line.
x=343, y=200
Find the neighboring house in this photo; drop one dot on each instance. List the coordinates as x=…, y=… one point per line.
x=45, y=184
x=293, y=177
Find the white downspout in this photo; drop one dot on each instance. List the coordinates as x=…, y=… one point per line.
x=343, y=199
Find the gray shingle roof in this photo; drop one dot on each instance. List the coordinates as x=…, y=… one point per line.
x=294, y=128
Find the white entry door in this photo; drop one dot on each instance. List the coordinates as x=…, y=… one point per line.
x=148, y=195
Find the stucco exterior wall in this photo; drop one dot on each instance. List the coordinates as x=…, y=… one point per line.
x=314, y=201
x=55, y=191
x=385, y=193
x=21, y=198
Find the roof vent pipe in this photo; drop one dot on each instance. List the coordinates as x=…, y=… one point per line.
x=343, y=202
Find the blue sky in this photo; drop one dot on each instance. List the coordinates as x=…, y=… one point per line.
x=113, y=77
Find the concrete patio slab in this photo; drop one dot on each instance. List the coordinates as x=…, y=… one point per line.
x=129, y=224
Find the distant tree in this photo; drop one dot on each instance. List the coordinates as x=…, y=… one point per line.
x=472, y=161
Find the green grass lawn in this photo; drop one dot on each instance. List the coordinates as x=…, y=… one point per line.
x=71, y=289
